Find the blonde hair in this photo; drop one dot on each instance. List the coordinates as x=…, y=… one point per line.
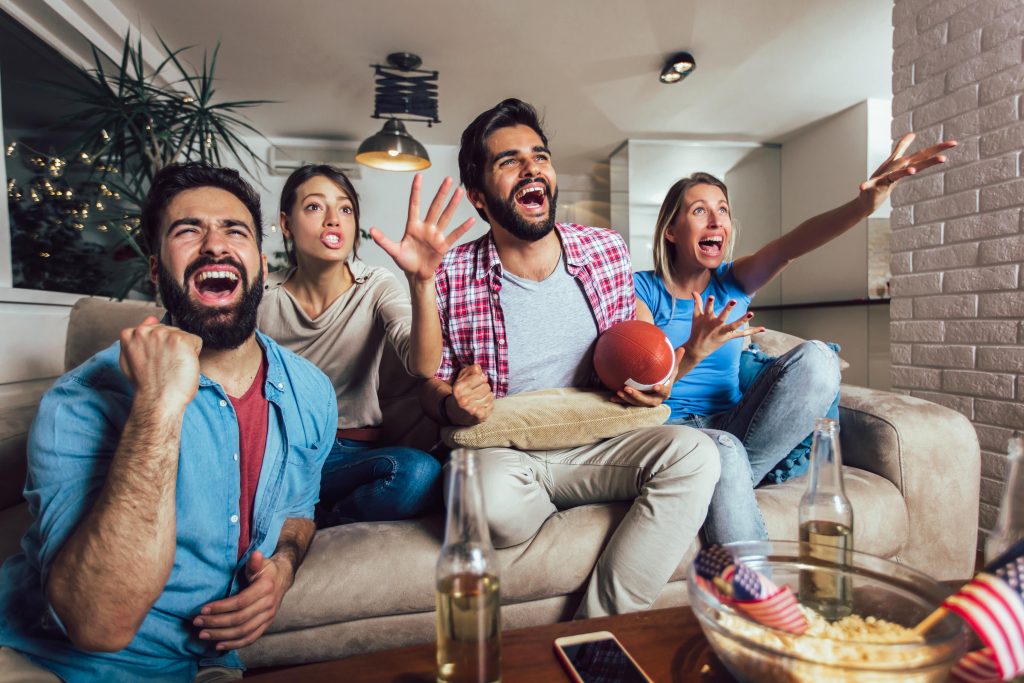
x=665, y=251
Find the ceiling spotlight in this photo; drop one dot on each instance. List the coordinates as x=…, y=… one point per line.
x=679, y=66
x=404, y=93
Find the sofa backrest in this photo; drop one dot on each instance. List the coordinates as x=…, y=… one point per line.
x=96, y=323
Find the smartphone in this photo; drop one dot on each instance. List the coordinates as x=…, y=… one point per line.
x=598, y=657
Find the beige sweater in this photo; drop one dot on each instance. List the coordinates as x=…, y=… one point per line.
x=347, y=340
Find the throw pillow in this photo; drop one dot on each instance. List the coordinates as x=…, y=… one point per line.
x=554, y=418
x=753, y=361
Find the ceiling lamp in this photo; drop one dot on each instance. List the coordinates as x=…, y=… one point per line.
x=404, y=93
x=679, y=66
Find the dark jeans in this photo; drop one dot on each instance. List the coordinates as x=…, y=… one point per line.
x=361, y=482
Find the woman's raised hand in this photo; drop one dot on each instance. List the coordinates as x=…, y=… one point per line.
x=875, y=189
x=710, y=331
x=424, y=243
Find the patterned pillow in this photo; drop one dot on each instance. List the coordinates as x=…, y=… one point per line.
x=753, y=362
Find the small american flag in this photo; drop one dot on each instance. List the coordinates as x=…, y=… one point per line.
x=766, y=603
x=993, y=604
x=734, y=583
x=976, y=667
x=712, y=561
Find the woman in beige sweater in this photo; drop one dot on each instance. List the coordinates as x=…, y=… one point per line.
x=339, y=312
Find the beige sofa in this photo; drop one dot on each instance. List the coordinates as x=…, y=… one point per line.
x=912, y=474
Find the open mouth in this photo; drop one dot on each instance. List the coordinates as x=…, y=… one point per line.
x=532, y=197
x=711, y=246
x=216, y=286
x=332, y=240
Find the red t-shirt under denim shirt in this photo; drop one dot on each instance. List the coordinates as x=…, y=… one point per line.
x=251, y=410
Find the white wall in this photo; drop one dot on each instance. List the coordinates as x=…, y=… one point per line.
x=821, y=169
x=756, y=204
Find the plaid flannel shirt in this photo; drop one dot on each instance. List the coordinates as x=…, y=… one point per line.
x=469, y=281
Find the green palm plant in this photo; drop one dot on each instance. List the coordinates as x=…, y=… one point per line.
x=131, y=122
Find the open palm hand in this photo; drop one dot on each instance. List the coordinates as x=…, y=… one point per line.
x=875, y=189
x=424, y=243
x=710, y=330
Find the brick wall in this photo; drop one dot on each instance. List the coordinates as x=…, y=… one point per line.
x=958, y=232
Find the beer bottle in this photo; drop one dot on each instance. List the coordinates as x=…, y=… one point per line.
x=468, y=616
x=1009, y=526
x=826, y=528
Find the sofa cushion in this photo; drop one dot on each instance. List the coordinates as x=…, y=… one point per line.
x=14, y=425
x=554, y=418
x=880, y=524
x=557, y=561
x=96, y=323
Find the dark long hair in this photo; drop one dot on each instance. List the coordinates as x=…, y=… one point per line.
x=307, y=172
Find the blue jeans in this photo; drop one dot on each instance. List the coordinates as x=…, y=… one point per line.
x=361, y=482
x=775, y=414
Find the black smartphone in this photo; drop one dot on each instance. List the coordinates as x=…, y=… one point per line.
x=598, y=657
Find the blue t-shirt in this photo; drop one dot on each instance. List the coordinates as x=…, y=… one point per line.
x=71, y=445
x=713, y=386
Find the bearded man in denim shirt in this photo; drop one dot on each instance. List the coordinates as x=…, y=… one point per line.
x=172, y=477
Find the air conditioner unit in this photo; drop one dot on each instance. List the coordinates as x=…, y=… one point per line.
x=283, y=159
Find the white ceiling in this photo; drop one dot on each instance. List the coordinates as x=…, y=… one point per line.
x=765, y=68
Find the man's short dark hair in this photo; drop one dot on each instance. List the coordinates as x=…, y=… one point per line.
x=473, y=152
x=170, y=181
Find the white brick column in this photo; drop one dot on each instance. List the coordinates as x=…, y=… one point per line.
x=957, y=235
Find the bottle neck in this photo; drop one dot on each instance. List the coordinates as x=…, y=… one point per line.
x=466, y=522
x=1011, y=508
x=826, y=473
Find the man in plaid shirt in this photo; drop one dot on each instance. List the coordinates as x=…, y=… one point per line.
x=520, y=309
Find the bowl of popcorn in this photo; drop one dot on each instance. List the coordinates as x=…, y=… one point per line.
x=783, y=611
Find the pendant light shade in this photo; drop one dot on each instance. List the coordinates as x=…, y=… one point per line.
x=404, y=92
x=393, y=149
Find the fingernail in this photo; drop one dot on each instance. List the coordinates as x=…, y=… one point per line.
x=221, y=647
x=197, y=621
x=750, y=315
x=732, y=302
x=205, y=610
x=203, y=635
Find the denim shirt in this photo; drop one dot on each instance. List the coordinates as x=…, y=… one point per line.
x=71, y=445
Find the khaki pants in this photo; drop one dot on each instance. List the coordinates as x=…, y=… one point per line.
x=669, y=473
x=17, y=668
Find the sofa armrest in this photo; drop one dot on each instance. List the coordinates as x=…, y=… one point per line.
x=931, y=454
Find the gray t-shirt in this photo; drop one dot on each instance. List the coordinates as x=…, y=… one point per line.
x=550, y=329
x=347, y=340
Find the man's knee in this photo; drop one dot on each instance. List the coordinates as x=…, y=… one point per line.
x=513, y=499
x=693, y=453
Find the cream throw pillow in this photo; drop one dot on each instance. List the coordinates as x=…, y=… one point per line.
x=554, y=418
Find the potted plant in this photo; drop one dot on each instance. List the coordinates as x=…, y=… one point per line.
x=75, y=213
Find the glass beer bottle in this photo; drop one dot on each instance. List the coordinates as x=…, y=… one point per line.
x=826, y=527
x=1009, y=526
x=468, y=603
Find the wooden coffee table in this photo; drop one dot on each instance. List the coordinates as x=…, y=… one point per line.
x=668, y=644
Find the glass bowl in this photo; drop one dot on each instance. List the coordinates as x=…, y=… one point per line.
x=877, y=588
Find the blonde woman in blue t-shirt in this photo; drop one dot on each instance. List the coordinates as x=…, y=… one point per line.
x=698, y=296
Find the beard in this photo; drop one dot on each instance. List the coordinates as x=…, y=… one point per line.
x=219, y=328
x=503, y=212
